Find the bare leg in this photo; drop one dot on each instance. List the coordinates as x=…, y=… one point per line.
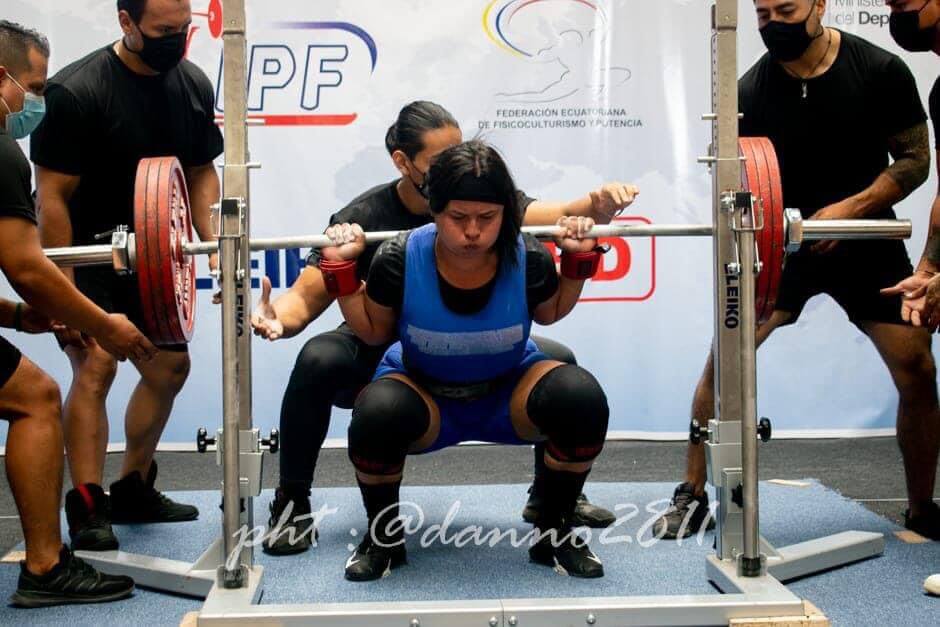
x=86, y=419
x=30, y=401
x=906, y=353
x=149, y=407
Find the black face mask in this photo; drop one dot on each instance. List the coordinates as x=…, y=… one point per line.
x=423, y=186
x=906, y=31
x=785, y=41
x=162, y=54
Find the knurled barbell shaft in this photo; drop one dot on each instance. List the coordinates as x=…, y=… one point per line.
x=811, y=230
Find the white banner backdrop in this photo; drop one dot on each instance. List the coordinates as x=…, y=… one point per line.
x=574, y=93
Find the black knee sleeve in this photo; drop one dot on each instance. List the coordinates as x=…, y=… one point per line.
x=387, y=418
x=570, y=408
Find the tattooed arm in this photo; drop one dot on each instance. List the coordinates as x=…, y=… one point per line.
x=930, y=260
x=911, y=152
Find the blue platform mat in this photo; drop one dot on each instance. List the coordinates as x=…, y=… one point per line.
x=882, y=591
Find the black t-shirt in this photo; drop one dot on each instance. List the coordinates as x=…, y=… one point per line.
x=102, y=118
x=386, y=284
x=381, y=209
x=16, y=199
x=833, y=143
x=933, y=103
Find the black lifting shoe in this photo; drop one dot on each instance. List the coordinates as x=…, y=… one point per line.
x=687, y=509
x=89, y=516
x=567, y=553
x=586, y=514
x=289, y=532
x=927, y=524
x=70, y=581
x=370, y=561
x=136, y=501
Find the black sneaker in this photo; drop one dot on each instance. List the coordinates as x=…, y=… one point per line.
x=586, y=514
x=70, y=581
x=136, y=501
x=89, y=517
x=370, y=561
x=927, y=525
x=296, y=532
x=567, y=553
x=687, y=514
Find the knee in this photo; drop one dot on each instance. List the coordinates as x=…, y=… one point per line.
x=179, y=370
x=916, y=369
x=387, y=418
x=95, y=370
x=171, y=374
x=569, y=406
x=47, y=398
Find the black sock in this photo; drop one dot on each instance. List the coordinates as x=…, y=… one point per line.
x=381, y=502
x=558, y=491
x=539, y=451
x=296, y=490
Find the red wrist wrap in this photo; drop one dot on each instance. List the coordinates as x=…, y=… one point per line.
x=340, y=277
x=580, y=266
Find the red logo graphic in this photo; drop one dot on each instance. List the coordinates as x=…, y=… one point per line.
x=628, y=273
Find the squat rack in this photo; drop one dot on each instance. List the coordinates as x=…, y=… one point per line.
x=745, y=567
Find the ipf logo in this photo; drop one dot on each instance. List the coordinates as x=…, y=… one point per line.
x=300, y=73
x=569, y=37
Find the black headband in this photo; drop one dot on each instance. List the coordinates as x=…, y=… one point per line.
x=477, y=189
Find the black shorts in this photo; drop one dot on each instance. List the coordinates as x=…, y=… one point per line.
x=852, y=275
x=116, y=293
x=9, y=360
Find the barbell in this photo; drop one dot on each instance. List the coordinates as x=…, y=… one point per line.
x=162, y=252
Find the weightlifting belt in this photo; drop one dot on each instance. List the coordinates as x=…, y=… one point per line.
x=458, y=391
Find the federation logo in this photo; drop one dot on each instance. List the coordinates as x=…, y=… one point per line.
x=571, y=38
x=300, y=72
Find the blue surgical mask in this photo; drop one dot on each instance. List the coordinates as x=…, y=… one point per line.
x=21, y=123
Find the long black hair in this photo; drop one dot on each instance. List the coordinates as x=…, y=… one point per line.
x=478, y=166
x=414, y=120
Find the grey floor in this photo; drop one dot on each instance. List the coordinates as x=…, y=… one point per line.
x=865, y=469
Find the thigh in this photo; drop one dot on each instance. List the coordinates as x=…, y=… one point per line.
x=906, y=351
x=800, y=281
x=863, y=269
x=555, y=350
x=337, y=363
x=97, y=283
x=124, y=294
x=10, y=357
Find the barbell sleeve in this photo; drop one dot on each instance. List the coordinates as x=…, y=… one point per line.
x=94, y=255
x=856, y=229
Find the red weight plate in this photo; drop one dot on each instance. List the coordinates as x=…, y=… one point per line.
x=774, y=232
x=765, y=292
x=760, y=175
x=166, y=276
